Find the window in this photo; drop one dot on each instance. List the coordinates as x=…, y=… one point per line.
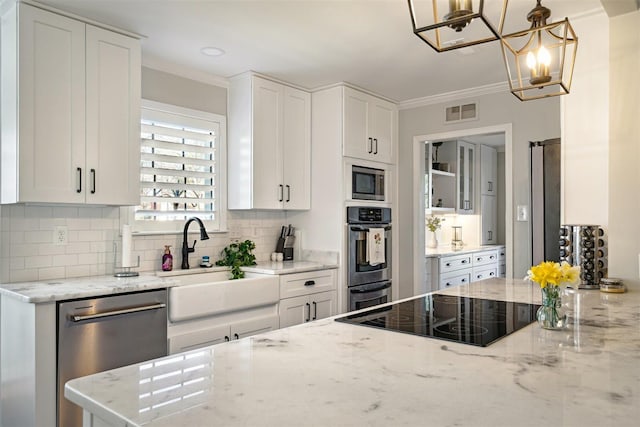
x=182, y=168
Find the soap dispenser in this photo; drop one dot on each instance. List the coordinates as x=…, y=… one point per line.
x=167, y=259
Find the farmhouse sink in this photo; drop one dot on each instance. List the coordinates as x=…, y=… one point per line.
x=211, y=294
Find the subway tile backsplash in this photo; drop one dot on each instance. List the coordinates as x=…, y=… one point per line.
x=28, y=251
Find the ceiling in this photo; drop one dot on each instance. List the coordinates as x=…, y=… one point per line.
x=311, y=43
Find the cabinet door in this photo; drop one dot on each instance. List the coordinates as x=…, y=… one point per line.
x=51, y=115
x=323, y=305
x=382, y=129
x=357, y=142
x=113, y=118
x=297, y=149
x=268, y=186
x=489, y=220
x=466, y=180
x=488, y=170
x=254, y=326
x=294, y=311
x=200, y=338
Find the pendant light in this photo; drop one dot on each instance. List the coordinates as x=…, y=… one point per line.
x=452, y=24
x=540, y=60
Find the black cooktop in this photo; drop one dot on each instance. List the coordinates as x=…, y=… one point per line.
x=465, y=320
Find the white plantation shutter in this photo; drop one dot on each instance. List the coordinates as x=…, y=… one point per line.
x=180, y=159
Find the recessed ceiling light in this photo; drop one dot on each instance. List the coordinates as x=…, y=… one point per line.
x=212, y=51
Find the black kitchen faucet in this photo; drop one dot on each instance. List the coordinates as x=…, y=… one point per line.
x=185, y=246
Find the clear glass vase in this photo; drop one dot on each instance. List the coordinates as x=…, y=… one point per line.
x=551, y=315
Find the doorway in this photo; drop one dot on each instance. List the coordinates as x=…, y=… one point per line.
x=474, y=136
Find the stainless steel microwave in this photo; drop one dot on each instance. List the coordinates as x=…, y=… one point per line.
x=367, y=183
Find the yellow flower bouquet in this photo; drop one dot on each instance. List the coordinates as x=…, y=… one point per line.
x=551, y=276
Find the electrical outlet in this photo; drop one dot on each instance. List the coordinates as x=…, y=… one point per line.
x=60, y=235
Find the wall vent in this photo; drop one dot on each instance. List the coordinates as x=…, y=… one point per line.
x=457, y=113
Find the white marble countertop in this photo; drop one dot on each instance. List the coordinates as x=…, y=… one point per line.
x=326, y=373
x=288, y=267
x=446, y=250
x=83, y=287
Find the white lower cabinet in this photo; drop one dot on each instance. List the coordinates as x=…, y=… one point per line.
x=216, y=333
x=307, y=296
x=464, y=268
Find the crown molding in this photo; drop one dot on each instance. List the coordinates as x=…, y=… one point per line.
x=454, y=96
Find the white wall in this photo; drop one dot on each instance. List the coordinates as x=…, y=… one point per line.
x=27, y=251
x=585, y=127
x=624, y=148
x=531, y=121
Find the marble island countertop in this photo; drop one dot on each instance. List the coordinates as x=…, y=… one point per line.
x=330, y=373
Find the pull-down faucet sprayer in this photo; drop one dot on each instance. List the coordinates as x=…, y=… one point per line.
x=185, y=246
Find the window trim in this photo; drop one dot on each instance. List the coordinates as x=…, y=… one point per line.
x=127, y=214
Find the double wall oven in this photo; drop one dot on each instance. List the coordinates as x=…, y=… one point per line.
x=369, y=279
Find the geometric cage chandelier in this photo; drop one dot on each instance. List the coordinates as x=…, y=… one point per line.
x=539, y=60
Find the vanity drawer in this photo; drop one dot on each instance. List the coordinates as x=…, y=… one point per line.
x=453, y=263
x=485, y=258
x=458, y=278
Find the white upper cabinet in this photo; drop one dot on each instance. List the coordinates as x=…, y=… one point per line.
x=488, y=170
x=466, y=178
x=269, y=148
x=113, y=117
x=369, y=127
x=70, y=122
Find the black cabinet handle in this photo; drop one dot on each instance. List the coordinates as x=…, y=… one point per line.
x=447, y=284
x=308, y=312
x=93, y=181
x=490, y=186
x=281, y=193
x=226, y=338
x=491, y=274
x=376, y=141
x=79, y=189
x=464, y=261
x=492, y=257
x=310, y=283
x=236, y=336
x=448, y=264
x=315, y=311
x=370, y=145
x=463, y=280
x=288, y=193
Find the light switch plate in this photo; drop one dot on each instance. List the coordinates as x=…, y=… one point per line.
x=522, y=213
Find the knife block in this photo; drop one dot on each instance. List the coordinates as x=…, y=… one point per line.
x=285, y=245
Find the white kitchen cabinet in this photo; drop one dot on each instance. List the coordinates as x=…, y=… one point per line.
x=269, y=150
x=488, y=170
x=224, y=332
x=70, y=111
x=502, y=261
x=465, y=178
x=463, y=268
x=489, y=220
x=369, y=127
x=307, y=296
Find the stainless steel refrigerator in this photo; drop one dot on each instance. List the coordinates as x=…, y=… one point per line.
x=545, y=200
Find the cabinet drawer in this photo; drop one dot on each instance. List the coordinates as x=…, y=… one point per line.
x=484, y=273
x=458, y=278
x=485, y=258
x=298, y=284
x=454, y=263
x=502, y=270
x=502, y=254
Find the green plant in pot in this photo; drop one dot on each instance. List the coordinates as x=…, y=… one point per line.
x=238, y=254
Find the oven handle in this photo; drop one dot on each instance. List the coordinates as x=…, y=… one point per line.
x=361, y=228
x=359, y=291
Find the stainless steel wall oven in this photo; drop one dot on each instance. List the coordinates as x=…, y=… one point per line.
x=369, y=279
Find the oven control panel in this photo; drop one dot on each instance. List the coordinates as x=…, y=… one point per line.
x=368, y=215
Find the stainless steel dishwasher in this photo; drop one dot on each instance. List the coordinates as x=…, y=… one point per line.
x=105, y=333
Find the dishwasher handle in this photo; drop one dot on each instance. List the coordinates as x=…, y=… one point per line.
x=118, y=312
